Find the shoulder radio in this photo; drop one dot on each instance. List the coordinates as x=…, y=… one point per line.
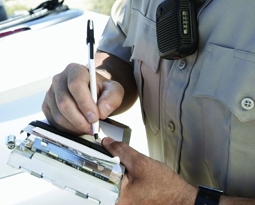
x=177, y=29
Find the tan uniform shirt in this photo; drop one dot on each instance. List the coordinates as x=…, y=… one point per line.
x=199, y=111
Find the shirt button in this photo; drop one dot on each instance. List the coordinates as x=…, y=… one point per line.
x=171, y=126
x=247, y=103
x=182, y=64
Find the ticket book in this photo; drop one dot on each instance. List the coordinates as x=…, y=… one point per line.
x=78, y=164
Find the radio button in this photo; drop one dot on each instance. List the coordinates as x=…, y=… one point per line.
x=182, y=64
x=171, y=126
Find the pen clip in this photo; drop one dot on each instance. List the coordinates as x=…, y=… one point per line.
x=90, y=37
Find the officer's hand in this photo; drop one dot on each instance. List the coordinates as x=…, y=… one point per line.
x=148, y=181
x=68, y=104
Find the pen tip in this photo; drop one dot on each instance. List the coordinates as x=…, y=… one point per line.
x=96, y=136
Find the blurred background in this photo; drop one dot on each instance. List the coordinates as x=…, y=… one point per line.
x=99, y=6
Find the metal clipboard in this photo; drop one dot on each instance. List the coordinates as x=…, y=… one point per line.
x=70, y=162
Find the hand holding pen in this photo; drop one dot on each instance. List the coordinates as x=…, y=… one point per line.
x=65, y=106
x=92, y=70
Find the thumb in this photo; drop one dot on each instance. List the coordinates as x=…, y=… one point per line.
x=128, y=156
x=111, y=97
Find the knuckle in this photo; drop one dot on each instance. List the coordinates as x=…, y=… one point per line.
x=59, y=119
x=46, y=102
x=74, y=83
x=63, y=104
x=45, y=107
x=71, y=65
x=56, y=79
x=49, y=95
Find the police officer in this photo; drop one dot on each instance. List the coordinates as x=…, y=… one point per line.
x=198, y=111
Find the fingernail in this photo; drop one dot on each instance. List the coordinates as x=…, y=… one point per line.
x=107, y=141
x=91, y=117
x=108, y=110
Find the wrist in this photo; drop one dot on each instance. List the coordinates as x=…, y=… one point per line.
x=208, y=196
x=187, y=196
x=192, y=194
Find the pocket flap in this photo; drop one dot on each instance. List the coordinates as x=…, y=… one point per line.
x=142, y=37
x=228, y=75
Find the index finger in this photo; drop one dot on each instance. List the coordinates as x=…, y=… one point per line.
x=78, y=85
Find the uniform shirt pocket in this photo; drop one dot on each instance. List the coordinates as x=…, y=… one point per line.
x=228, y=75
x=141, y=37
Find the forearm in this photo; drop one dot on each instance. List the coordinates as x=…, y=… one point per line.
x=190, y=194
x=113, y=68
x=236, y=201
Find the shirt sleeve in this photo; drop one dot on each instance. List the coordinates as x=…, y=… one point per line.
x=114, y=34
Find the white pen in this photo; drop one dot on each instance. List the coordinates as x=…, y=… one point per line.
x=92, y=70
